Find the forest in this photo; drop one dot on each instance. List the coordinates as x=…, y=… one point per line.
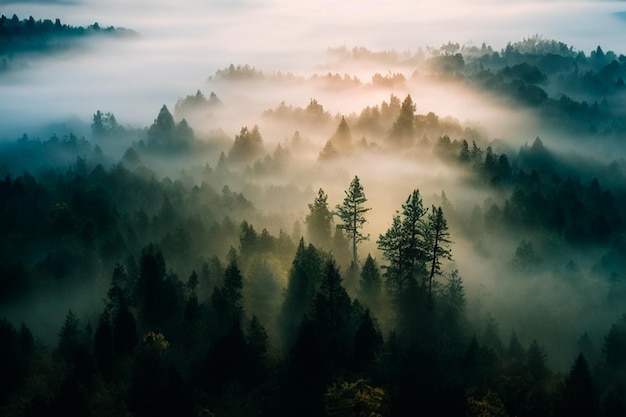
x=258, y=251
x=23, y=41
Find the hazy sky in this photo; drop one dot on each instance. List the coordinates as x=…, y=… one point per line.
x=187, y=40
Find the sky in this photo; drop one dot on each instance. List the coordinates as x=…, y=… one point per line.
x=186, y=41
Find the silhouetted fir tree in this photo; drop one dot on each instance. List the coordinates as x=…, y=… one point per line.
x=367, y=344
x=233, y=286
x=370, y=284
x=414, y=234
x=404, y=245
x=579, y=398
x=319, y=221
x=161, y=133
x=332, y=303
x=394, y=251
x=307, y=373
x=352, y=214
x=247, y=146
x=73, y=348
x=342, y=138
x=515, y=351
x=192, y=307
x=614, y=348
x=257, y=352
x=438, y=244
x=464, y=155
x=479, y=366
x=304, y=278
x=248, y=239
x=70, y=336
x=150, y=286
x=491, y=337
x=125, y=337
x=103, y=344
x=536, y=362
x=452, y=325
x=403, y=130
x=262, y=292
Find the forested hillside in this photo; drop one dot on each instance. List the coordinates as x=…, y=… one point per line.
x=22, y=41
x=237, y=258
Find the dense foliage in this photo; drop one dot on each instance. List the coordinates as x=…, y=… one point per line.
x=194, y=301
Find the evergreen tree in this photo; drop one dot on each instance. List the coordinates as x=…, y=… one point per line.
x=103, y=344
x=304, y=278
x=403, y=130
x=392, y=243
x=579, y=398
x=404, y=245
x=319, y=221
x=367, y=343
x=342, y=138
x=438, y=240
x=352, y=214
x=413, y=229
x=370, y=283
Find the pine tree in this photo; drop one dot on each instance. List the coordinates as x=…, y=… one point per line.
x=404, y=245
x=352, y=214
x=439, y=242
x=370, y=283
x=403, y=130
x=319, y=221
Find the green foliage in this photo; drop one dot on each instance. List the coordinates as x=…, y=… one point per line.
x=405, y=245
x=438, y=243
x=352, y=214
x=248, y=145
x=354, y=399
x=319, y=221
x=23, y=40
x=370, y=283
x=579, y=397
x=403, y=130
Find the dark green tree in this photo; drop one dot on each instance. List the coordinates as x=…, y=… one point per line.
x=342, y=138
x=438, y=244
x=352, y=214
x=248, y=145
x=403, y=129
x=367, y=343
x=319, y=221
x=393, y=245
x=579, y=398
x=103, y=344
x=370, y=283
x=304, y=278
x=405, y=245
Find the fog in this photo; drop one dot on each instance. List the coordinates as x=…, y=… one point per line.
x=184, y=46
x=185, y=43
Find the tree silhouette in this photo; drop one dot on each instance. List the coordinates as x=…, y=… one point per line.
x=403, y=130
x=579, y=398
x=438, y=239
x=352, y=214
x=370, y=283
x=319, y=221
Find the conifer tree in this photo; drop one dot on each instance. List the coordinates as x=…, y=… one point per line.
x=438, y=243
x=319, y=220
x=352, y=214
